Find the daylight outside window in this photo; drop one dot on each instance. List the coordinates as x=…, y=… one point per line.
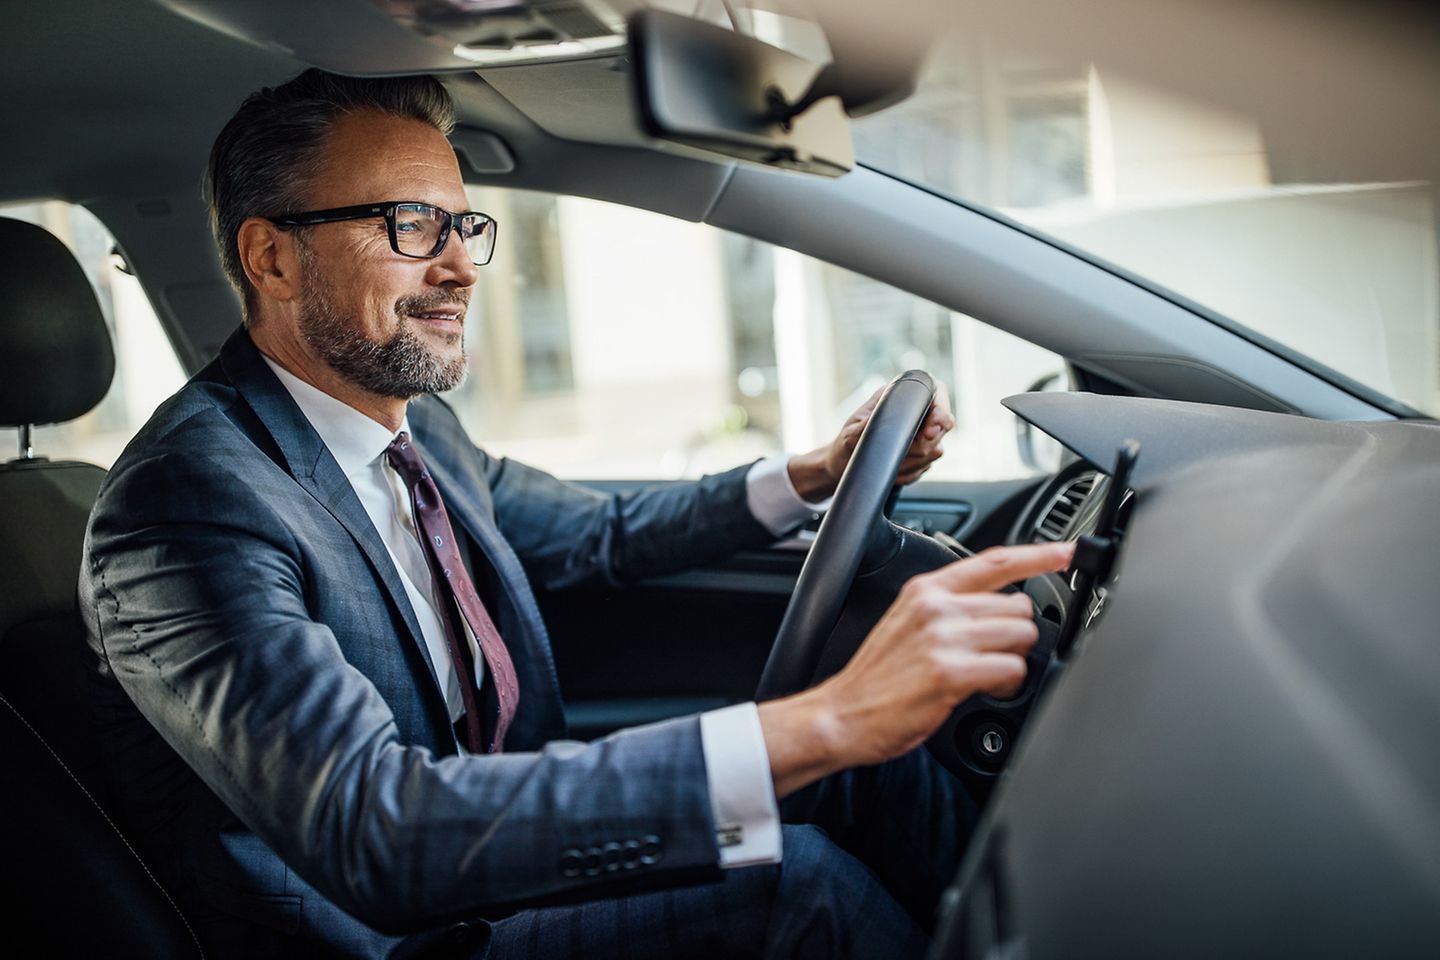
x=146, y=367
x=608, y=342
x=1200, y=200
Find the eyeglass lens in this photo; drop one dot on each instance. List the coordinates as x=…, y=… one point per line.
x=419, y=229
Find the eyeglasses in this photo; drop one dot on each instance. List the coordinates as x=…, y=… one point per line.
x=417, y=230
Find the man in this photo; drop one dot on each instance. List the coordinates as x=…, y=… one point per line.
x=325, y=690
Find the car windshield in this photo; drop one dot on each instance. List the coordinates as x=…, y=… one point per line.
x=1199, y=199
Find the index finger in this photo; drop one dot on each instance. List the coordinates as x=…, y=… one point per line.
x=994, y=568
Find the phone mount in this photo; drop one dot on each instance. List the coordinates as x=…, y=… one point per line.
x=1095, y=553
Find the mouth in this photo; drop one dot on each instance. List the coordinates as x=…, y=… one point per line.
x=446, y=316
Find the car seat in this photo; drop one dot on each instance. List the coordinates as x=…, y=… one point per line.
x=74, y=885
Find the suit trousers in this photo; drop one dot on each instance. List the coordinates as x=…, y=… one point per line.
x=867, y=854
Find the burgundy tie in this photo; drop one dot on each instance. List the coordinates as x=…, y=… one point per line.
x=453, y=584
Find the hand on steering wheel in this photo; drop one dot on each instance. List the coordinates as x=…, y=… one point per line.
x=941, y=639
x=854, y=524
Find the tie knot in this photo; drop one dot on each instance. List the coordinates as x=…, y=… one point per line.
x=406, y=459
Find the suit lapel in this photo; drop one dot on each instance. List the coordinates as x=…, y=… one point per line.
x=310, y=463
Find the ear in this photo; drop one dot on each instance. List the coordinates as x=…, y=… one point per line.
x=267, y=255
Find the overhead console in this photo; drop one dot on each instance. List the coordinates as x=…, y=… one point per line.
x=376, y=37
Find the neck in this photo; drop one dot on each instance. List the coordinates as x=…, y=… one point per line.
x=294, y=357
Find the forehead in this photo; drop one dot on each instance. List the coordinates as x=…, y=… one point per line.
x=371, y=156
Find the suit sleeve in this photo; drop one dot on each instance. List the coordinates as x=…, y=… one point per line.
x=195, y=594
x=566, y=534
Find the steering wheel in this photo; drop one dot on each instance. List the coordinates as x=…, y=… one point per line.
x=854, y=525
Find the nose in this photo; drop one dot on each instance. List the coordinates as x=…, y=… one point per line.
x=452, y=265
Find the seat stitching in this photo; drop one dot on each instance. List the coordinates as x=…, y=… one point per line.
x=96, y=804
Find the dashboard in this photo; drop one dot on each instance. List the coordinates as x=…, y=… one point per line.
x=1237, y=757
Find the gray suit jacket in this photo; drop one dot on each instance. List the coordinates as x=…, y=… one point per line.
x=274, y=730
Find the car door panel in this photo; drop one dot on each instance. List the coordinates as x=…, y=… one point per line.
x=697, y=640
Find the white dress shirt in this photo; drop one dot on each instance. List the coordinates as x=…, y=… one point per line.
x=737, y=765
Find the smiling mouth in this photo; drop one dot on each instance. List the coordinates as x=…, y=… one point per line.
x=440, y=316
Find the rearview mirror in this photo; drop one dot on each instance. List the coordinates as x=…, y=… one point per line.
x=726, y=93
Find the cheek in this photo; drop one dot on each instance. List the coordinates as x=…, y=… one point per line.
x=381, y=307
x=370, y=291
x=367, y=279
x=368, y=307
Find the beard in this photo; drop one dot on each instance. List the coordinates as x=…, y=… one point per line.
x=402, y=365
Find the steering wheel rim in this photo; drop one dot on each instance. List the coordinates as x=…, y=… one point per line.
x=855, y=513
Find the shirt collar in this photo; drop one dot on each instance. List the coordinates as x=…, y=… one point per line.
x=355, y=440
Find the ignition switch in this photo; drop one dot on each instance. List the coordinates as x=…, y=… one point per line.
x=992, y=740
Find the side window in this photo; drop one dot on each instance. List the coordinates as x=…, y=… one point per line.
x=682, y=349
x=146, y=368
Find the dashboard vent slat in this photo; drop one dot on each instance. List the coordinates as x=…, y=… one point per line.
x=1057, y=517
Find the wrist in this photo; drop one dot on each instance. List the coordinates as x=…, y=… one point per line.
x=804, y=738
x=810, y=476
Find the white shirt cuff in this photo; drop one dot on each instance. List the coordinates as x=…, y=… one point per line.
x=742, y=795
x=772, y=499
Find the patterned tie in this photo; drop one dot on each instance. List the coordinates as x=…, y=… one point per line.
x=453, y=583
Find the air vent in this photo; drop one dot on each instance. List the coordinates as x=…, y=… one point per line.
x=1058, y=516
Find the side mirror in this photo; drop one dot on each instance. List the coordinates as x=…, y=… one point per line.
x=1039, y=452
x=707, y=87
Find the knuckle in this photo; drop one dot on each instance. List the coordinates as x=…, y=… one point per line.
x=932, y=603
x=994, y=556
x=913, y=589
x=946, y=672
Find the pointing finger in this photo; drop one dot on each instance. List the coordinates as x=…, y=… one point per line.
x=999, y=566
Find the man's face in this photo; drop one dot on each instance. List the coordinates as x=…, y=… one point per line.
x=391, y=325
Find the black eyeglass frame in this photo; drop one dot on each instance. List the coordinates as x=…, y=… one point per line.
x=363, y=211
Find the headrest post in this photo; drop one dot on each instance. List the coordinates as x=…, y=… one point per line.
x=27, y=447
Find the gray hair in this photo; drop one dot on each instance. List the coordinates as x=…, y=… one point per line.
x=262, y=162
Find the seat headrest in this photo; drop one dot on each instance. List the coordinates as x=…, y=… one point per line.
x=56, y=360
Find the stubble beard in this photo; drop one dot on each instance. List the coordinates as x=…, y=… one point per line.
x=401, y=366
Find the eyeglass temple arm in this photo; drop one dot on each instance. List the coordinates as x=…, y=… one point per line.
x=330, y=216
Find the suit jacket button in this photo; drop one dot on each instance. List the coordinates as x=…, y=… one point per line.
x=651, y=850
x=630, y=854
x=572, y=861
x=610, y=856
x=593, y=862
x=459, y=934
